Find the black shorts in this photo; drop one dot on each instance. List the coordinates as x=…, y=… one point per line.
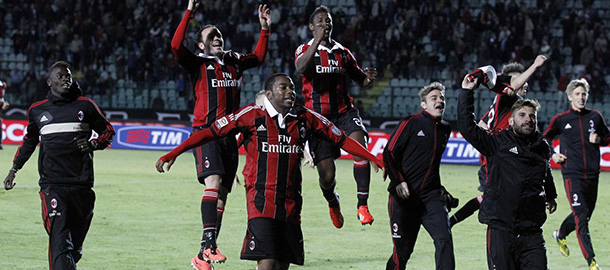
x=349, y=122
x=268, y=238
x=218, y=157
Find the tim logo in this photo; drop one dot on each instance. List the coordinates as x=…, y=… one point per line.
x=459, y=151
x=150, y=137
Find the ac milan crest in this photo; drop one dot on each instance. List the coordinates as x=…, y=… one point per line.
x=80, y=115
x=395, y=227
x=206, y=163
x=251, y=245
x=53, y=203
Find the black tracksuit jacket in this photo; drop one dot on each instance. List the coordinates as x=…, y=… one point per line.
x=55, y=122
x=519, y=177
x=413, y=153
x=574, y=128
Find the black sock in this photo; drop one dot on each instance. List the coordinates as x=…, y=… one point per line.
x=467, y=210
x=362, y=174
x=209, y=217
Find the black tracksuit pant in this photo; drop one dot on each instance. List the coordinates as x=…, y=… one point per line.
x=406, y=218
x=512, y=251
x=67, y=212
x=582, y=195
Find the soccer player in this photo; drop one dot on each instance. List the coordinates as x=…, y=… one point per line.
x=325, y=65
x=3, y=106
x=413, y=157
x=581, y=131
x=63, y=124
x=511, y=85
x=215, y=78
x=275, y=135
x=519, y=183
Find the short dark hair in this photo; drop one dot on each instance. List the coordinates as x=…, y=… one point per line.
x=199, y=37
x=271, y=80
x=525, y=103
x=513, y=67
x=429, y=88
x=58, y=64
x=319, y=9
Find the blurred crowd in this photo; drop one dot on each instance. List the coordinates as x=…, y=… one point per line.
x=110, y=40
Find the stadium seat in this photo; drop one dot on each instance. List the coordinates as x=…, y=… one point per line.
x=394, y=82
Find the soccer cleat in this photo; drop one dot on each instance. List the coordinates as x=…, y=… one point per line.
x=213, y=255
x=364, y=215
x=200, y=264
x=336, y=216
x=593, y=265
x=563, y=244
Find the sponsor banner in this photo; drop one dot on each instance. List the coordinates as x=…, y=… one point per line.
x=13, y=131
x=149, y=137
x=157, y=136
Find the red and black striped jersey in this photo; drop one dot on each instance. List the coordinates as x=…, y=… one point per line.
x=499, y=112
x=325, y=81
x=216, y=82
x=274, y=149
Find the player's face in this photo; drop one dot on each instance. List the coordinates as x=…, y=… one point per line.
x=524, y=121
x=212, y=42
x=282, y=96
x=60, y=81
x=435, y=103
x=324, y=18
x=578, y=98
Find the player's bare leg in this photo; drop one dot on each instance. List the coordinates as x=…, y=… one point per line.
x=271, y=264
x=326, y=172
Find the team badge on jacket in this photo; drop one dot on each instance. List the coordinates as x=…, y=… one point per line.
x=80, y=115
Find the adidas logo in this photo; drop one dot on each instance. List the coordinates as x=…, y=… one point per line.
x=44, y=118
x=568, y=126
x=261, y=128
x=421, y=133
x=210, y=67
x=514, y=150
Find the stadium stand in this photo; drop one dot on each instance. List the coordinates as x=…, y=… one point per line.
x=120, y=49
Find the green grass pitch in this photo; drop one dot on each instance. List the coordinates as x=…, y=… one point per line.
x=147, y=220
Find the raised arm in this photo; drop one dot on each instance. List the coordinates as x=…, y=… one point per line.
x=304, y=60
x=178, y=49
x=518, y=81
x=473, y=133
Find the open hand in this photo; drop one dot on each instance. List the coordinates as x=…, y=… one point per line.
x=264, y=16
